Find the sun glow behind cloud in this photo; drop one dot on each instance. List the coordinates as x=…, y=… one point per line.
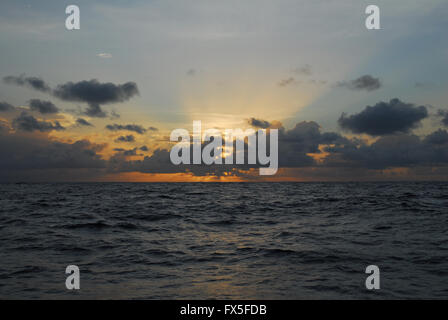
x=224, y=100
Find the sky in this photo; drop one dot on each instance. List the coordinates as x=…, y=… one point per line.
x=99, y=103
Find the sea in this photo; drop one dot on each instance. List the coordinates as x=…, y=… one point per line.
x=224, y=240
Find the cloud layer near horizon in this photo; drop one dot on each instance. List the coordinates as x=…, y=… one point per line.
x=27, y=144
x=297, y=149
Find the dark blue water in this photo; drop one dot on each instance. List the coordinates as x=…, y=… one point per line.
x=219, y=241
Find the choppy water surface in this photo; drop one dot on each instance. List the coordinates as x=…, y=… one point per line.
x=219, y=241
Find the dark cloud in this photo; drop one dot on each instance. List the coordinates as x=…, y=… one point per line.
x=444, y=115
x=129, y=127
x=129, y=138
x=144, y=148
x=26, y=122
x=439, y=137
x=83, y=122
x=256, y=123
x=132, y=152
x=95, y=111
x=4, y=106
x=295, y=145
x=402, y=150
x=27, y=151
x=94, y=92
x=44, y=107
x=129, y=152
x=31, y=82
x=366, y=82
x=153, y=129
x=385, y=118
